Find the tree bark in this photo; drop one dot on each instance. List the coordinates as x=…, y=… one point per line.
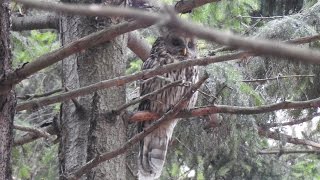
x=8, y=100
x=84, y=133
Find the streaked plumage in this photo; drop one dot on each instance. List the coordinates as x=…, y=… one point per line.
x=167, y=49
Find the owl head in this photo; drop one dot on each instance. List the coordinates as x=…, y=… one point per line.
x=180, y=45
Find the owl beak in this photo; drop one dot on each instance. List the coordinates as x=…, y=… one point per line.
x=185, y=52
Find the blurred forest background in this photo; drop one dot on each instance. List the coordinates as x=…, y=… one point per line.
x=230, y=147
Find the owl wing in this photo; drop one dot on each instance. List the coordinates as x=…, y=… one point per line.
x=153, y=147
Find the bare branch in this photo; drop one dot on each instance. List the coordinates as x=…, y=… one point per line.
x=57, y=55
x=166, y=117
x=183, y=6
x=138, y=45
x=261, y=17
x=289, y=139
x=29, y=137
x=33, y=130
x=287, y=151
x=35, y=22
x=304, y=40
x=301, y=40
x=95, y=10
x=256, y=46
x=31, y=96
x=119, y=81
x=290, y=123
x=265, y=47
x=202, y=111
x=278, y=77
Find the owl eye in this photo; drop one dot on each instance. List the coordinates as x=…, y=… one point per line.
x=176, y=42
x=190, y=45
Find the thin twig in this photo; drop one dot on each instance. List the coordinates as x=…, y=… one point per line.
x=289, y=139
x=33, y=130
x=261, y=17
x=290, y=123
x=287, y=151
x=278, y=77
x=31, y=96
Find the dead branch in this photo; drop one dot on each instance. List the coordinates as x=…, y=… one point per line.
x=301, y=40
x=31, y=96
x=304, y=40
x=32, y=130
x=289, y=139
x=183, y=6
x=278, y=77
x=119, y=81
x=202, y=111
x=135, y=42
x=261, y=17
x=290, y=123
x=287, y=151
x=166, y=117
x=63, y=52
x=138, y=45
x=259, y=47
x=35, y=22
x=29, y=137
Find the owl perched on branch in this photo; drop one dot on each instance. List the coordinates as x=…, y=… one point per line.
x=170, y=48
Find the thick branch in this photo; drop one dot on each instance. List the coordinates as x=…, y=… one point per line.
x=301, y=40
x=135, y=42
x=32, y=130
x=138, y=45
x=57, y=55
x=265, y=47
x=31, y=96
x=35, y=22
x=166, y=117
x=202, y=111
x=183, y=6
x=119, y=81
x=256, y=46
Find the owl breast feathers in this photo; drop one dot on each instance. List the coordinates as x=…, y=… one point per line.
x=153, y=148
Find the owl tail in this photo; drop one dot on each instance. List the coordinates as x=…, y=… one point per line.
x=153, y=150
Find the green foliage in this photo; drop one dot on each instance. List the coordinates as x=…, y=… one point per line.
x=225, y=14
x=307, y=168
x=245, y=88
x=135, y=66
x=36, y=160
x=35, y=44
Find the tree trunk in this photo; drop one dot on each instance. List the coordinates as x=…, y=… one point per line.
x=7, y=101
x=84, y=131
x=280, y=7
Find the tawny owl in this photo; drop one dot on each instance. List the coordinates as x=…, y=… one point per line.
x=170, y=48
